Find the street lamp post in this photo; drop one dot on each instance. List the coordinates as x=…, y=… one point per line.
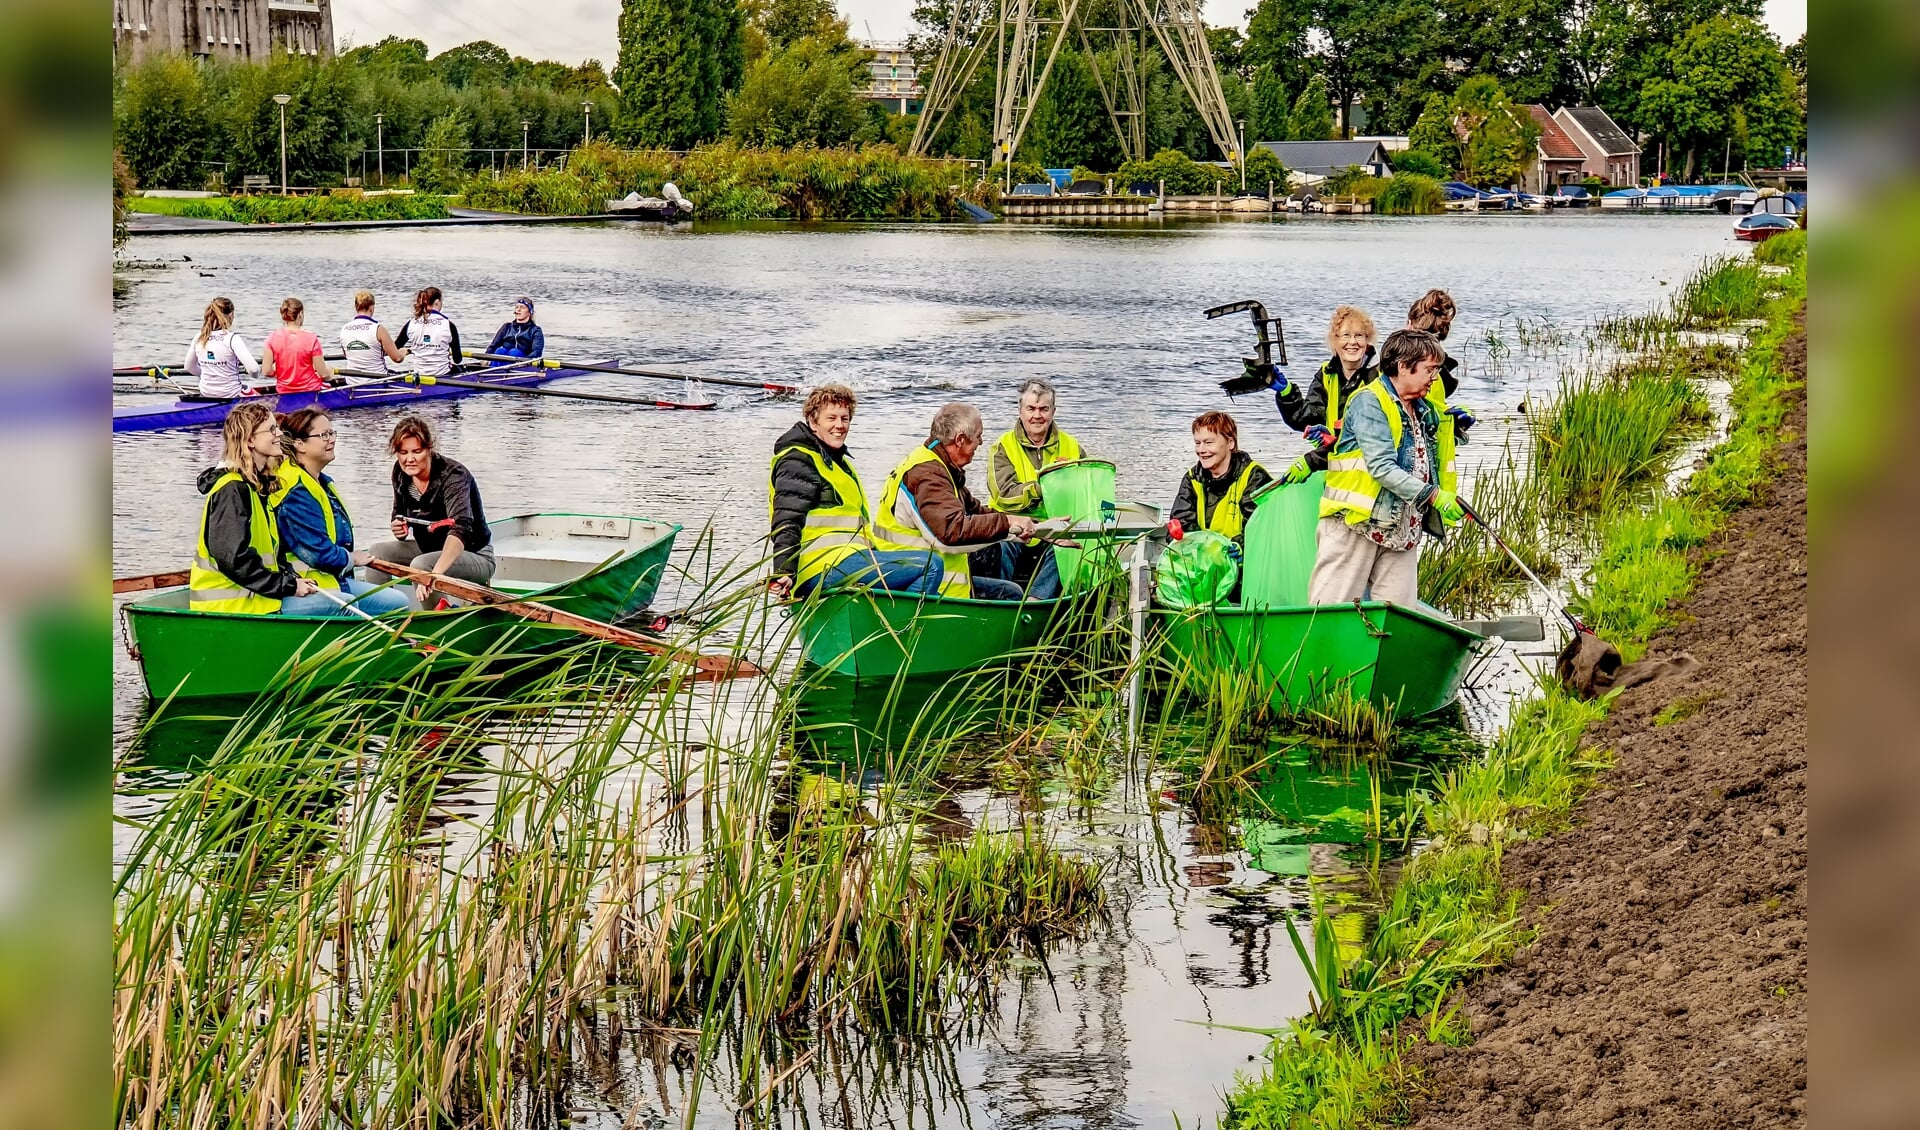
x=380, y=146
x=525, y=125
x=1243, y=158
x=586, y=108
x=283, y=99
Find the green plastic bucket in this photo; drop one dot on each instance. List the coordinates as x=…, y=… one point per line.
x=1083, y=491
x=1280, y=544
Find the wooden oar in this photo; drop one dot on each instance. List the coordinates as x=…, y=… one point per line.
x=150, y=581
x=709, y=667
x=412, y=378
x=656, y=374
x=422, y=646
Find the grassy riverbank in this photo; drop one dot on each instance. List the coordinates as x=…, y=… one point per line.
x=296, y=209
x=732, y=182
x=1450, y=914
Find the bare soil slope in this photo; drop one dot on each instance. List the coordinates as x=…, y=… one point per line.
x=1668, y=984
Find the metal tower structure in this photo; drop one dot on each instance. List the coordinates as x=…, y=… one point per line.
x=1026, y=37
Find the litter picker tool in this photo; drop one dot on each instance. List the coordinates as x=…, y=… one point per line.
x=1587, y=661
x=1270, y=347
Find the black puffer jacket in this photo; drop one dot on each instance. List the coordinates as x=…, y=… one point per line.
x=797, y=489
x=230, y=539
x=1304, y=404
x=1186, y=508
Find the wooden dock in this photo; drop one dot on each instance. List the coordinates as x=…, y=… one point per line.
x=1068, y=206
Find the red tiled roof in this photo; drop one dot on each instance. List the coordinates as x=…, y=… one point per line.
x=1555, y=145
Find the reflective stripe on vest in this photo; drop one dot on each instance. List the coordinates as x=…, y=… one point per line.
x=898, y=525
x=1010, y=446
x=1351, y=489
x=830, y=534
x=1227, y=518
x=288, y=478
x=1330, y=384
x=210, y=590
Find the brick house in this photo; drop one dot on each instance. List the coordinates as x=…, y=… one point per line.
x=1611, y=155
x=1556, y=159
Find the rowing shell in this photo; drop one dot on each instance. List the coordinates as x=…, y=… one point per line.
x=193, y=413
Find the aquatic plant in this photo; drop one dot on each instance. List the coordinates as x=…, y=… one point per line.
x=1726, y=290
x=1411, y=194
x=1603, y=434
x=338, y=205
x=1467, y=574
x=1782, y=249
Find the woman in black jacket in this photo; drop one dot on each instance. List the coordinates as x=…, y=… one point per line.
x=1316, y=408
x=439, y=524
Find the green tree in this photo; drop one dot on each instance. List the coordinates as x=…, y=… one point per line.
x=788, y=21
x=1312, y=115
x=479, y=63
x=1268, y=120
x=1727, y=89
x=1498, y=137
x=443, y=165
x=162, y=123
x=679, y=59
x=1433, y=132
x=1277, y=45
x=1263, y=168
x=801, y=94
x=1070, y=126
x=1419, y=162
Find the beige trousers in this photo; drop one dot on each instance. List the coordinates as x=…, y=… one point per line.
x=1351, y=566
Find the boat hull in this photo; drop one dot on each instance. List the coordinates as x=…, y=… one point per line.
x=375, y=394
x=188, y=655
x=881, y=635
x=1398, y=658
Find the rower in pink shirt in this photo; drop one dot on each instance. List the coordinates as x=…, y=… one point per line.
x=296, y=359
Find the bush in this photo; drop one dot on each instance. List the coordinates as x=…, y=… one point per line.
x=1411, y=194
x=1421, y=162
x=123, y=188
x=1183, y=175
x=443, y=165
x=1781, y=250
x=1263, y=168
x=298, y=209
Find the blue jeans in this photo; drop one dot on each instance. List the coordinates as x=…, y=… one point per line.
x=1045, y=584
x=896, y=570
x=993, y=588
x=394, y=598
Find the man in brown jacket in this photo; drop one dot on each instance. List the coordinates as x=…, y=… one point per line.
x=927, y=506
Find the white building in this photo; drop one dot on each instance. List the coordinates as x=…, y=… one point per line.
x=892, y=77
x=239, y=30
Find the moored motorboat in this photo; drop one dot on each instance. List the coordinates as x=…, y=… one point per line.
x=1757, y=227
x=604, y=567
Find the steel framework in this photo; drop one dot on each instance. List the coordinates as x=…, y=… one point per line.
x=1026, y=37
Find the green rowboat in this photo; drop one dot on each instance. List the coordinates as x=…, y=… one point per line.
x=875, y=634
x=1402, y=659
x=1409, y=660
x=605, y=567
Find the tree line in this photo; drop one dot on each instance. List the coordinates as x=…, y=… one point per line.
x=1702, y=79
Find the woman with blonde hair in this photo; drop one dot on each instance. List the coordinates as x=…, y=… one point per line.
x=295, y=357
x=430, y=336
x=366, y=345
x=238, y=564
x=1316, y=409
x=218, y=357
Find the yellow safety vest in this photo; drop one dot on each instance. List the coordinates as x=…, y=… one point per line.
x=1227, y=518
x=898, y=526
x=210, y=590
x=831, y=534
x=1449, y=477
x=1009, y=445
x=292, y=476
x=1351, y=489
x=1330, y=384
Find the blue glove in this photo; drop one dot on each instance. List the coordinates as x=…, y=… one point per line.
x=1279, y=383
x=1233, y=551
x=1319, y=436
x=1462, y=419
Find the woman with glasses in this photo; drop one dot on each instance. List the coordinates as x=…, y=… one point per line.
x=239, y=565
x=314, y=526
x=1316, y=409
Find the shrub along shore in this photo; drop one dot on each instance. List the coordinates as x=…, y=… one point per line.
x=1450, y=915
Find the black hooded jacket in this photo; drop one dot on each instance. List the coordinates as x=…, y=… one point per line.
x=229, y=536
x=1304, y=404
x=1186, y=509
x=797, y=489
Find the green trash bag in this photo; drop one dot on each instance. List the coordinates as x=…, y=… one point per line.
x=1196, y=571
x=1282, y=541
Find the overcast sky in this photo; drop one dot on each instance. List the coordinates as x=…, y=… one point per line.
x=572, y=30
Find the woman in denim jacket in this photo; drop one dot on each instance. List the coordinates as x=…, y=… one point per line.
x=1383, y=487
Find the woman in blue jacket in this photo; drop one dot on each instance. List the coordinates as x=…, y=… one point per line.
x=314, y=528
x=519, y=337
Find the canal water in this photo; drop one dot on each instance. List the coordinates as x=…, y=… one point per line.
x=1137, y=1022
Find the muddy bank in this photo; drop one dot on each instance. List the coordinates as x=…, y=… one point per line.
x=1668, y=984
